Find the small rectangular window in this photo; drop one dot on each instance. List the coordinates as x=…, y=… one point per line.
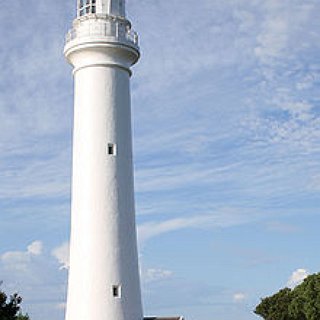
x=112, y=149
x=116, y=291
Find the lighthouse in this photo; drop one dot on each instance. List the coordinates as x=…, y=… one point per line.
x=103, y=281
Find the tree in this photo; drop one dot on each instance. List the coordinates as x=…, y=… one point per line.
x=10, y=307
x=301, y=303
x=23, y=317
x=306, y=299
x=276, y=306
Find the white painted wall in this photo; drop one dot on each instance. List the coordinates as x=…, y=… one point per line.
x=103, y=249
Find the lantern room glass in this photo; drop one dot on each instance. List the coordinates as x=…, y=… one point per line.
x=86, y=7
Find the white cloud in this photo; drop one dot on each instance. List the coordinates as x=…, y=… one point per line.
x=35, y=248
x=220, y=218
x=283, y=23
x=239, y=297
x=33, y=273
x=16, y=260
x=294, y=107
x=273, y=40
x=152, y=229
x=297, y=277
x=61, y=253
x=276, y=226
x=286, y=115
x=153, y=275
x=19, y=260
x=307, y=81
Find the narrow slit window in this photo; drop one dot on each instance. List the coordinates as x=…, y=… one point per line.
x=112, y=149
x=116, y=291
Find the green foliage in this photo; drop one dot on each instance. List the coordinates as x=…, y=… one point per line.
x=10, y=307
x=301, y=303
x=307, y=298
x=276, y=306
x=296, y=307
x=23, y=317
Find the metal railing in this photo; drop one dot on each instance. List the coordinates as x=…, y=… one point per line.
x=115, y=30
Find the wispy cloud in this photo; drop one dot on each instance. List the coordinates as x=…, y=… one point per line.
x=153, y=229
x=276, y=226
x=61, y=253
x=222, y=218
x=152, y=275
x=239, y=297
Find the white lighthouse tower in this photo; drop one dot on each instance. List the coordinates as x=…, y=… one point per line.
x=104, y=276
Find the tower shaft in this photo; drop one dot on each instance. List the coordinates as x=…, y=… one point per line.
x=104, y=276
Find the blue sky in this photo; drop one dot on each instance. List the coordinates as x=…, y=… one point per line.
x=226, y=150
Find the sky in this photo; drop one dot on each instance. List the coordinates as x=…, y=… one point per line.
x=226, y=128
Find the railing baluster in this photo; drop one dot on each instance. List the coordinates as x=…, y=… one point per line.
x=109, y=27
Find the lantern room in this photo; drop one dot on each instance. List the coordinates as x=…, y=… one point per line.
x=108, y=7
